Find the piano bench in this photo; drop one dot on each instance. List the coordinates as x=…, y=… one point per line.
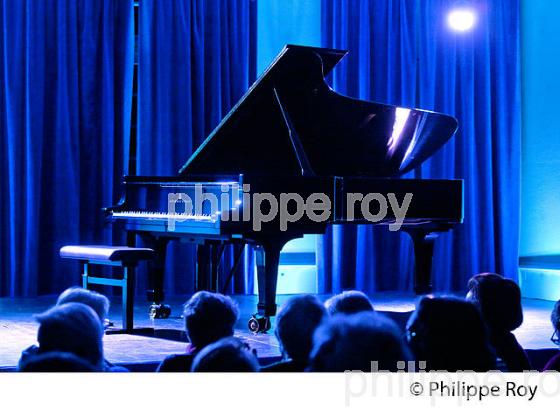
x=121, y=256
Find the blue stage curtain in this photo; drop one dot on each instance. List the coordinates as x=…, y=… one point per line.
x=65, y=87
x=196, y=59
x=473, y=76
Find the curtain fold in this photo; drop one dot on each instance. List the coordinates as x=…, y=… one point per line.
x=196, y=59
x=65, y=88
x=472, y=76
x=66, y=91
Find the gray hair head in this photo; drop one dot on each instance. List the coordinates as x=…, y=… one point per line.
x=98, y=302
x=73, y=328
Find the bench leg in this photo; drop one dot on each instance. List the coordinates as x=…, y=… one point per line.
x=128, y=299
x=85, y=275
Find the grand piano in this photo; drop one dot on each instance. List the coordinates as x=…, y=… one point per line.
x=291, y=133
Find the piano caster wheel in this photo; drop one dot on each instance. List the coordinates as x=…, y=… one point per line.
x=259, y=324
x=160, y=311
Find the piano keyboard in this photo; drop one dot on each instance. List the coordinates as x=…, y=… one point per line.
x=164, y=216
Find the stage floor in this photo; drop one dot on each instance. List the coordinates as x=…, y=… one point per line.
x=18, y=329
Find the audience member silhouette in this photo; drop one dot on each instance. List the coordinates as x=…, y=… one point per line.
x=209, y=317
x=364, y=341
x=448, y=334
x=226, y=355
x=72, y=328
x=554, y=362
x=445, y=333
x=348, y=302
x=98, y=302
x=499, y=302
x=296, y=323
x=57, y=362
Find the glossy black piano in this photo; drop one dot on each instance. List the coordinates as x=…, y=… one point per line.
x=291, y=133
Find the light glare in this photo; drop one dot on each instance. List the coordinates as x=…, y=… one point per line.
x=461, y=19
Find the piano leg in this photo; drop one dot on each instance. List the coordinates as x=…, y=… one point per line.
x=203, y=266
x=423, y=254
x=156, y=275
x=267, y=258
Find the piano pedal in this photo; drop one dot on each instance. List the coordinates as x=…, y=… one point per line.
x=259, y=324
x=159, y=311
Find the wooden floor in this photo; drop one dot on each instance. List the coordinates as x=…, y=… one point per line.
x=18, y=329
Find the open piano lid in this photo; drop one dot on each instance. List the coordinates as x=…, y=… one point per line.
x=291, y=123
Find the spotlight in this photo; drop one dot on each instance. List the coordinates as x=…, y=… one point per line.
x=462, y=19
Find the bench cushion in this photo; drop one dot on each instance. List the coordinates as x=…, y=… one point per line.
x=100, y=254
